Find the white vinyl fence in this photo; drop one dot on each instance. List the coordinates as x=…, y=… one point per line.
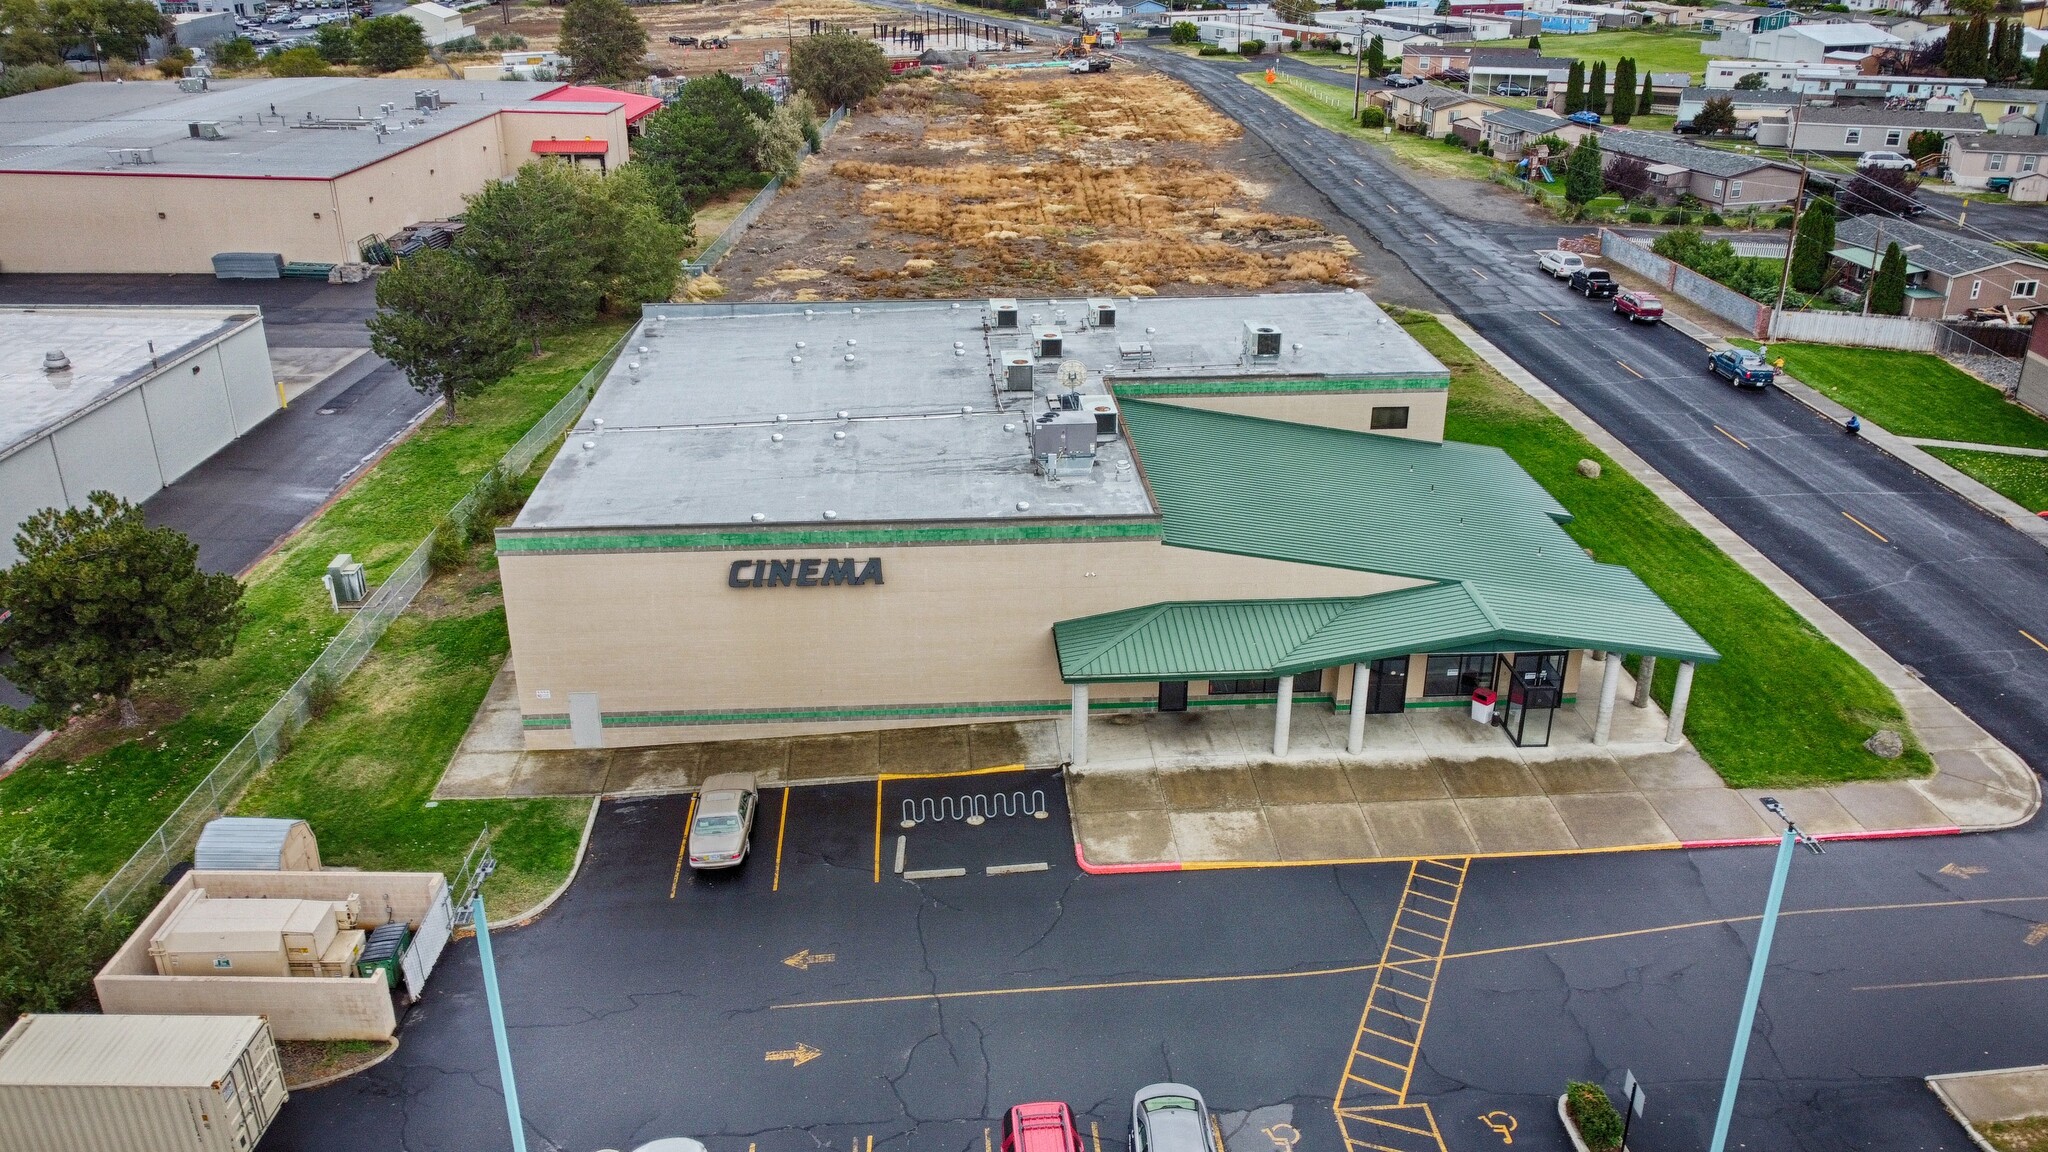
x=1865, y=331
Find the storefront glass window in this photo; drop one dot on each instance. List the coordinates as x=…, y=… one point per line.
x=1245, y=687
x=1457, y=673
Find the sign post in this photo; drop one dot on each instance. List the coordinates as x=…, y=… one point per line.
x=1633, y=1090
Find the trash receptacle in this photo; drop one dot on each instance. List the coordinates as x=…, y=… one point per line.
x=1482, y=705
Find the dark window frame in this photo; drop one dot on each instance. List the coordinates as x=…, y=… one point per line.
x=1390, y=417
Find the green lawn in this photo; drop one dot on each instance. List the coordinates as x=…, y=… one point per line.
x=1671, y=51
x=1913, y=394
x=99, y=799
x=1330, y=106
x=2021, y=479
x=1784, y=706
x=362, y=773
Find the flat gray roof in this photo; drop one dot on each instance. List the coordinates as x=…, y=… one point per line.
x=110, y=353
x=71, y=129
x=893, y=412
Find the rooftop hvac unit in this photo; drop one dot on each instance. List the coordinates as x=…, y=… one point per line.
x=427, y=100
x=192, y=84
x=1103, y=408
x=205, y=130
x=1134, y=350
x=1046, y=342
x=346, y=585
x=1002, y=313
x=1016, y=372
x=1261, y=341
x=1063, y=433
x=1102, y=312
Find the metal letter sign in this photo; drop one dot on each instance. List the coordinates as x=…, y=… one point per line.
x=1634, y=1091
x=809, y=572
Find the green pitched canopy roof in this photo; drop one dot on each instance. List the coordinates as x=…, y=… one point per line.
x=1467, y=518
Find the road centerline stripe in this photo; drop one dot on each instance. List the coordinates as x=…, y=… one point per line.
x=1734, y=437
x=1866, y=527
x=1629, y=370
x=2037, y=643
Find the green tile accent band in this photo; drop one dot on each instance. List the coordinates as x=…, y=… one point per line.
x=808, y=537
x=885, y=712
x=1305, y=387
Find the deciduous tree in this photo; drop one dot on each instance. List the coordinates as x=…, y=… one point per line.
x=1627, y=177
x=100, y=602
x=702, y=144
x=52, y=944
x=604, y=42
x=640, y=251
x=388, y=43
x=447, y=326
x=838, y=69
x=527, y=235
x=1751, y=82
x=1716, y=116
x=336, y=41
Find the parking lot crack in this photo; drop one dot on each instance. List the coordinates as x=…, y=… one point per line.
x=1059, y=905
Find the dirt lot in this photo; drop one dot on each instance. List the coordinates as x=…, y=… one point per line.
x=1013, y=184
x=753, y=28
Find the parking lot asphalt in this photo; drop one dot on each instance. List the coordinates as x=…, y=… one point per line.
x=252, y=493
x=812, y=999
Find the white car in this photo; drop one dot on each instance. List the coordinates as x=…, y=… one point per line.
x=1885, y=160
x=1559, y=263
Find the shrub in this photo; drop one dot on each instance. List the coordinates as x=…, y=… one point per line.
x=1250, y=47
x=1641, y=216
x=304, y=60
x=838, y=69
x=174, y=61
x=1784, y=221
x=1212, y=50
x=506, y=43
x=1184, y=32
x=1599, y=1124
x=1676, y=216
x=235, y=55
x=1713, y=220
x=1294, y=45
x=1373, y=117
x=52, y=943
x=34, y=78
x=448, y=552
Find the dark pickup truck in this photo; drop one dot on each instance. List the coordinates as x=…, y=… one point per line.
x=1595, y=283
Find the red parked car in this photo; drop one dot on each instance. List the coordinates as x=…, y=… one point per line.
x=1046, y=1127
x=1638, y=306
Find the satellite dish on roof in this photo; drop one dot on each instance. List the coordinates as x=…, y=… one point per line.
x=1073, y=375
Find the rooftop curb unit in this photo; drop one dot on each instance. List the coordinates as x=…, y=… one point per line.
x=138, y=1083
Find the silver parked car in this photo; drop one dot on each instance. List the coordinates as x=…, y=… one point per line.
x=721, y=830
x=1171, y=1118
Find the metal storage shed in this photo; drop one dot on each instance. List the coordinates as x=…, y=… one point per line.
x=256, y=844
x=82, y=1083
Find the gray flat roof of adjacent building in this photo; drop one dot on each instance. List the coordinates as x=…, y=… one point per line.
x=110, y=350
x=264, y=124
x=735, y=411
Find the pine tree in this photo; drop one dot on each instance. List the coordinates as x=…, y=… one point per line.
x=447, y=326
x=1647, y=103
x=1810, y=247
x=1575, y=88
x=1596, y=88
x=1624, y=89
x=1535, y=43
x=1582, y=172
x=1376, y=56
x=2040, y=70
x=1888, y=288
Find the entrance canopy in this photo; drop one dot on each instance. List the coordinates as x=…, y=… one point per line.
x=1230, y=639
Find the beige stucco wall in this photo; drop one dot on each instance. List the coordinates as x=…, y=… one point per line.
x=298, y=1007
x=520, y=127
x=1352, y=411
x=952, y=626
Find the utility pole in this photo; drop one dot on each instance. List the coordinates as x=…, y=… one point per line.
x=1870, y=281
x=1766, y=929
x=1358, y=75
x=1791, y=245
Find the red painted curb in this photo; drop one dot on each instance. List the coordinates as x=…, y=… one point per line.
x=1758, y=841
x=1117, y=869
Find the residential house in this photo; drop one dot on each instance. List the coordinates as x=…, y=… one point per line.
x=1927, y=93
x=1447, y=57
x=1667, y=87
x=1432, y=110
x=1975, y=161
x=1727, y=181
x=1535, y=74
x=1946, y=274
x=1144, y=8
x=1776, y=74
x=1846, y=130
x=2034, y=371
x=2026, y=108
x=1816, y=43
x=1760, y=104
x=1916, y=7
x=1742, y=21
x=1510, y=131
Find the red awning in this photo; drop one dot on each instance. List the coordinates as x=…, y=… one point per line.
x=571, y=147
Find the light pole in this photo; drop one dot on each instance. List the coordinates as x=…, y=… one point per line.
x=498, y=1036
x=1767, y=928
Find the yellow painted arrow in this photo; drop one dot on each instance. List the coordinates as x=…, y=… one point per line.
x=2036, y=934
x=798, y=1056
x=803, y=960
x=1962, y=871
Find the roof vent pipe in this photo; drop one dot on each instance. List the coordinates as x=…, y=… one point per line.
x=56, y=361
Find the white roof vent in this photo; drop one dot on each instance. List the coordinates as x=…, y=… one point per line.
x=56, y=361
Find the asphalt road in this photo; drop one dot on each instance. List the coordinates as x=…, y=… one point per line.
x=1942, y=587
x=252, y=493
x=648, y=1004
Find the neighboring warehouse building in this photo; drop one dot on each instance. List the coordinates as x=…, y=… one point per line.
x=1946, y=275
x=121, y=399
x=147, y=177
x=778, y=519
x=439, y=23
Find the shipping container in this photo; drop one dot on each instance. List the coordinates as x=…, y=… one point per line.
x=83, y=1083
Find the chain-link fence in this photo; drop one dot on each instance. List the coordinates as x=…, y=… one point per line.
x=718, y=248
x=271, y=736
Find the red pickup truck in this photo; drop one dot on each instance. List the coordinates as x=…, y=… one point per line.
x=1638, y=306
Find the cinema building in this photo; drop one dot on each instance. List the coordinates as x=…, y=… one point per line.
x=781, y=519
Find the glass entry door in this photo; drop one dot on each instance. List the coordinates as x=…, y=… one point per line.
x=1388, y=691
x=1531, y=686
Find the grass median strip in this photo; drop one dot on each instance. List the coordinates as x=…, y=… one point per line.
x=1330, y=106
x=1784, y=706
x=98, y=792
x=2020, y=479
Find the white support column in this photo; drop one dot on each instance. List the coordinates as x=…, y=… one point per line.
x=1079, y=726
x=1681, y=695
x=1283, y=715
x=1646, y=675
x=1610, y=684
x=1361, y=675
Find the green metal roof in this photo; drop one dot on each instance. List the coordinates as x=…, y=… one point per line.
x=1466, y=518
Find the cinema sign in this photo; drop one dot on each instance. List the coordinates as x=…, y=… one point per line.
x=804, y=572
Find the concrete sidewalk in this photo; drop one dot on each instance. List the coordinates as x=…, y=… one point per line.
x=1980, y=1099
